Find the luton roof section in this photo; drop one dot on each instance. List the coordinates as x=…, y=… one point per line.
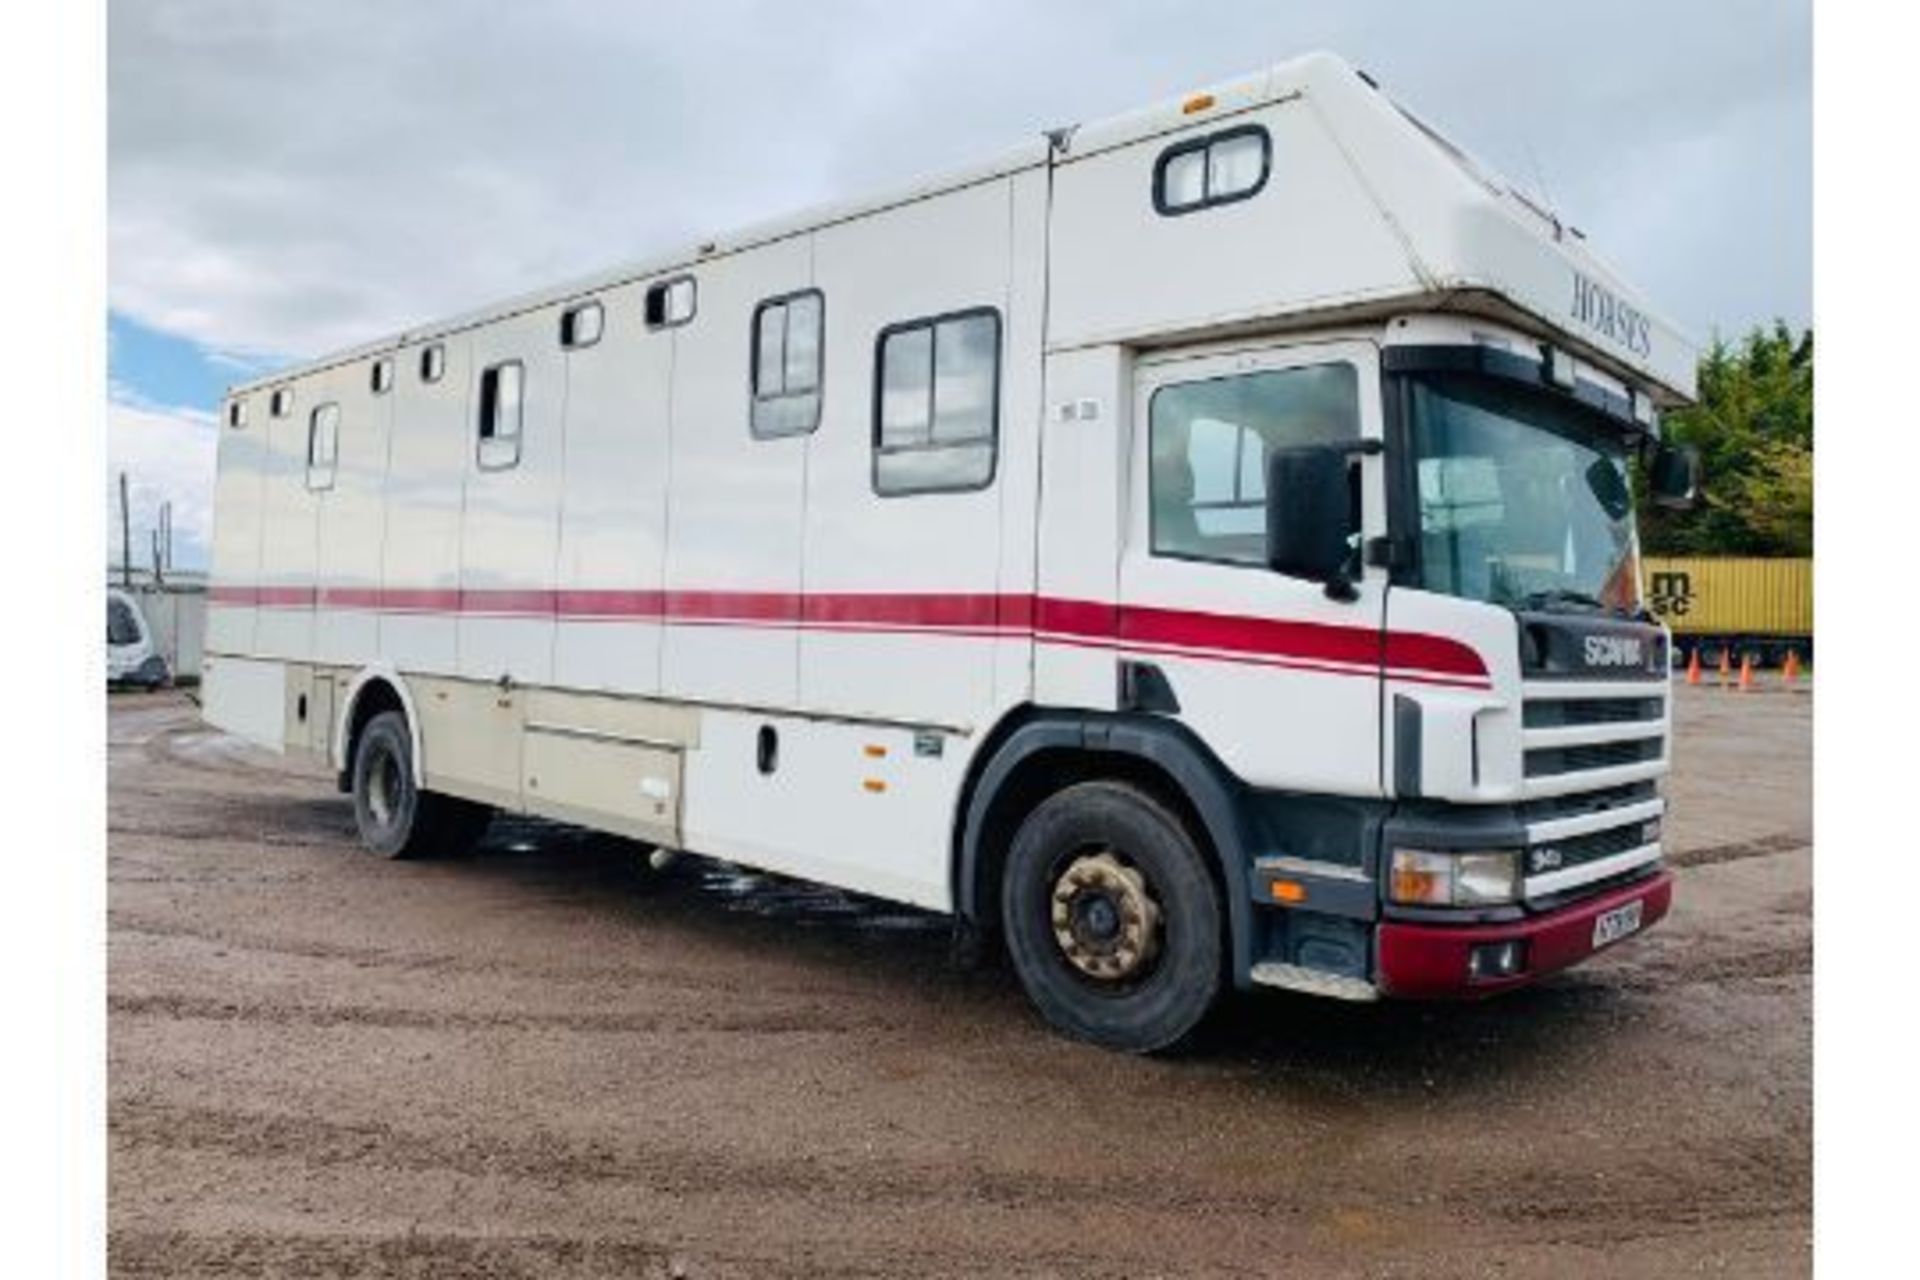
x=1423, y=224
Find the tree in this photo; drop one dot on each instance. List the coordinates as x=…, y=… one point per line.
x=1753, y=426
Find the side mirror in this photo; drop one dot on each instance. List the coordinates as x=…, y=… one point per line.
x=1311, y=516
x=1673, y=476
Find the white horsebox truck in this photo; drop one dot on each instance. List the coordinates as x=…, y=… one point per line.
x=1197, y=549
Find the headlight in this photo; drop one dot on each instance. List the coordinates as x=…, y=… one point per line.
x=1425, y=878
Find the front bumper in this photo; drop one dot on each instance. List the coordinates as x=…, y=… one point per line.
x=1429, y=961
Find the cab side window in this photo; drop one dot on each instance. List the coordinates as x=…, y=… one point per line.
x=1210, y=441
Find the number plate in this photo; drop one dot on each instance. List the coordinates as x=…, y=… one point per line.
x=1616, y=924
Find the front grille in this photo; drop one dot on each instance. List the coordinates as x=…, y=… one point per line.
x=1574, y=851
x=1549, y=761
x=1584, y=802
x=1559, y=713
x=1554, y=901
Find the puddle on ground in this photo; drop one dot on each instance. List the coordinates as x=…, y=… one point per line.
x=745, y=890
x=777, y=897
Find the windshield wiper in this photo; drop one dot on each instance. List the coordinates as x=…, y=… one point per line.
x=1563, y=595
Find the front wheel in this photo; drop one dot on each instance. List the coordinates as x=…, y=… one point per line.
x=1112, y=919
x=396, y=818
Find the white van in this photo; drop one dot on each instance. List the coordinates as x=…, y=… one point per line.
x=132, y=658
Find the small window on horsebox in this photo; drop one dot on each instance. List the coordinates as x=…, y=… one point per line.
x=433, y=363
x=936, y=411
x=1217, y=169
x=381, y=376
x=237, y=414
x=502, y=396
x=580, y=326
x=786, y=364
x=280, y=404
x=323, y=445
x=670, y=302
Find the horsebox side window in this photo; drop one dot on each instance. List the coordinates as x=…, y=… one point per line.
x=502, y=408
x=786, y=363
x=671, y=302
x=1210, y=440
x=936, y=406
x=1217, y=169
x=280, y=403
x=380, y=379
x=237, y=414
x=433, y=363
x=580, y=326
x=323, y=445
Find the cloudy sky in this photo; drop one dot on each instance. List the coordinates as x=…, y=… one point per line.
x=290, y=176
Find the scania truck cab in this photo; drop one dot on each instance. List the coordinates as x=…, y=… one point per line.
x=1525, y=718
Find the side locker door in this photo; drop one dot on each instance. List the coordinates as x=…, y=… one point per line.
x=1280, y=680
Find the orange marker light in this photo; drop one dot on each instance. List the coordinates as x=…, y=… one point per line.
x=875, y=750
x=874, y=784
x=1198, y=102
x=1288, y=891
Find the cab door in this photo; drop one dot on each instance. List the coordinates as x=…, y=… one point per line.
x=1279, y=679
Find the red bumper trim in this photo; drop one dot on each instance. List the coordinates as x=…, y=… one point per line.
x=1430, y=960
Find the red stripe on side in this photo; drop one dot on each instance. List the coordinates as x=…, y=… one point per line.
x=733, y=606
x=508, y=601
x=1082, y=619
x=649, y=605
x=1307, y=641
x=419, y=600
x=978, y=612
x=1410, y=656
x=1419, y=651
x=285, y=597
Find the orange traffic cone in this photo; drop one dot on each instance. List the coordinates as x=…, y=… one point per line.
x=1725, y=667
x=1693, y=667
x=1746, y=672
x=1791, y=671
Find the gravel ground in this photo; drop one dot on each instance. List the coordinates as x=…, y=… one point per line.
x=534, y=1063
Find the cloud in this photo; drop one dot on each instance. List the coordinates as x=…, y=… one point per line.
x=167, y=453
x=289, y=177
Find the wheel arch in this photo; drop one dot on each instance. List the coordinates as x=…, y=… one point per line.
x=1036, y=753
x=375, y=688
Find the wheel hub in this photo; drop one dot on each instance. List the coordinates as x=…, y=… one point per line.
x=384, y=793
x=1104, y=920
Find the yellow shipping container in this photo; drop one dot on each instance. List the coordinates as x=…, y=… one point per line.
x=1730, y=596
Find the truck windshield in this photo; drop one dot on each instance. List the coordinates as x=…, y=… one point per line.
x=1523, y=499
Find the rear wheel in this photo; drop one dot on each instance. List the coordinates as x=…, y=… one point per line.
x=396, y=818
x=1112, y=919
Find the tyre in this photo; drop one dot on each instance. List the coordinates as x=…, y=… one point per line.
x=396, y=818
x=1112, y=920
